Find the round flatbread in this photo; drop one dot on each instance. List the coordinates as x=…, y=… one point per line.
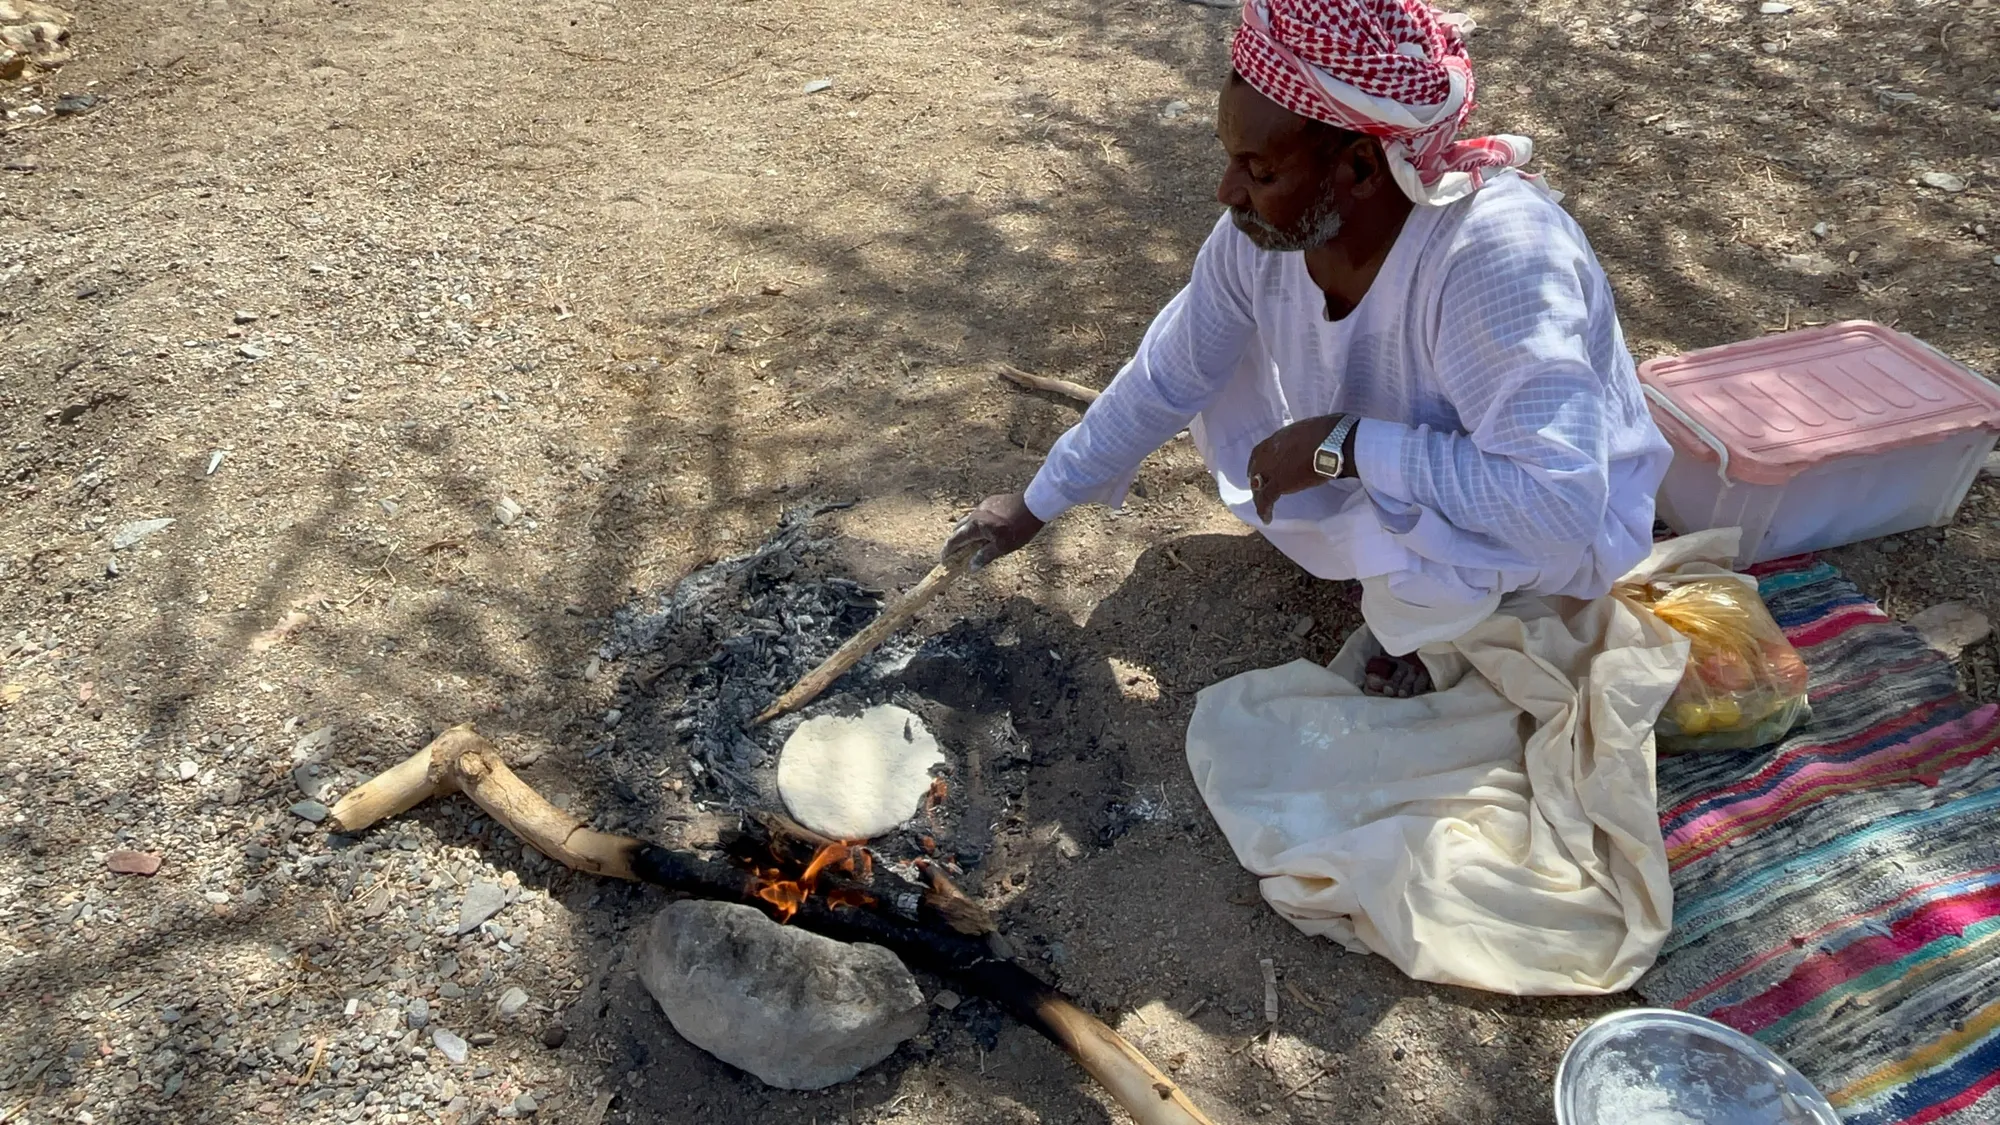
x=857, y=778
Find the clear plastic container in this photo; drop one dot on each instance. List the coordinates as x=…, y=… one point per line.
x=1819, y=438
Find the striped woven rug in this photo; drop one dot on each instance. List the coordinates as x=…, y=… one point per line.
x=1838, y=897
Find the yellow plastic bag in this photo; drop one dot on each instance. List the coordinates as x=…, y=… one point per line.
x=1745, y=685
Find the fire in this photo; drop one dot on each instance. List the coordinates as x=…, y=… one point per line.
x=787, y=895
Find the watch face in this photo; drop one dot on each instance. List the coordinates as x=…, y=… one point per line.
x=1326, y=462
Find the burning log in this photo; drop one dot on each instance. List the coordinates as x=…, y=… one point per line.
x=832, y=893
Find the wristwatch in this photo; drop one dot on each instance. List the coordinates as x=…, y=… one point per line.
x=1328, y=460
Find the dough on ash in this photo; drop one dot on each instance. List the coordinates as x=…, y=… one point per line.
x=857, y=778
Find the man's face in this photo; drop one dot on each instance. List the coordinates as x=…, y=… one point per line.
x=1281, y=186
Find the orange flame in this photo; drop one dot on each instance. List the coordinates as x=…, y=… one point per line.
x=788, y=895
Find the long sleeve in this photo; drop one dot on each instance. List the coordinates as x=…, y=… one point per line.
x=1525, y=487
x=1188, y=355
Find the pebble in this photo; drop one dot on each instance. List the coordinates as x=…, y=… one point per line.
x=132, y=534
x=71, y=104
x=311, y=811
x=216, y=898
x=451, y=991
x=483, y=900
x=946, y=999
x=232, y=792
x=1174, y=109
x=244, y=316
x=1774, y=7
x=418, y=1013
x=309, y=783
x=554, y=1036
x=187, y=770
x=1943, y=181
x=525, y=1105
x=508, y=511
x=512, y=1001
x=612, y=716
x=287, y=1045
x=454, y=1048
x=132, y=863
x=251, y=351
x=819, y=84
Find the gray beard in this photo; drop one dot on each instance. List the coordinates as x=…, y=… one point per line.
x=1316, y=229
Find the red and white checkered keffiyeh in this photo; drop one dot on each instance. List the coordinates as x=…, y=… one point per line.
x=1393, y=69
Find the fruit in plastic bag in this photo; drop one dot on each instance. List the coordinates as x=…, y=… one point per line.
x=1745, y=685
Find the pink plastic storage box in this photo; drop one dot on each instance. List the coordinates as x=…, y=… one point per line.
x=1818, y=438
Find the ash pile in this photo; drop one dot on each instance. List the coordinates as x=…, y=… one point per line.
x=699, y=661
x=702, y=659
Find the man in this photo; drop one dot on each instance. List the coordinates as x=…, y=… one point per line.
x=1397, y=354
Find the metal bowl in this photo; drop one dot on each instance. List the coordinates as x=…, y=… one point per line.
x=1656, y=1066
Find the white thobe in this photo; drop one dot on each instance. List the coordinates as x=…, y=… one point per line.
x=1504, y=444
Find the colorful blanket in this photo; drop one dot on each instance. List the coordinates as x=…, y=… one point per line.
x=1838, y=897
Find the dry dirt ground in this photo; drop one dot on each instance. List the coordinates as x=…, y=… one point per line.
x=610, y=262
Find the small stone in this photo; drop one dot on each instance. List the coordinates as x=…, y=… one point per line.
x=132, y=863
x=483, y=1039
x=231, y=792
x=311, y=811
x=132, y=534
x=819, y=84
x=508, y=511
x=554, y=1036
x=309, y=783
x=797, y=1010
x=1302, y=626
x=214, y=462
x=512, y=1001
x=187, y=770
x=612, y=716
x=525, y=1105
x=251, y=351
x=1174, y=109
x=454, y=1048
x=418, y=1012
x=216, y=898
x=70, y=105
x=1821, y=230
x=946, y=999
x=483, y=900
x=1774, y=7
x=244, y=316
x=451, y=991
x=1951, y=627
x=1773, y=48
x=22, y=164
x=1943, y=181
x=287, y=1045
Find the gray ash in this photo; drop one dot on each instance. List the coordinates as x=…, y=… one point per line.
x=705, y=657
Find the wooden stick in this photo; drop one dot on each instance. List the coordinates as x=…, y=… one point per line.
x=1033, y=382
x=463, y=761
x=868, y=639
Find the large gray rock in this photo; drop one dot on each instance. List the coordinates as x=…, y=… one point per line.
x=797, y=1010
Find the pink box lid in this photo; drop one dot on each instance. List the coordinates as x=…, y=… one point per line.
x=1784, y=403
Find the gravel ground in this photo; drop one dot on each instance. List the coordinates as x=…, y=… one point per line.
x=450, y=335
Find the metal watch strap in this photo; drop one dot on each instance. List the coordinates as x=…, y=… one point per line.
x=1333, y=445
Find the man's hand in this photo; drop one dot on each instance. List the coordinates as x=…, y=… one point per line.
x=999, y=525
x=1283, y=463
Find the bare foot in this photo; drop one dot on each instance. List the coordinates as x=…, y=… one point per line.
x=1396, y=677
